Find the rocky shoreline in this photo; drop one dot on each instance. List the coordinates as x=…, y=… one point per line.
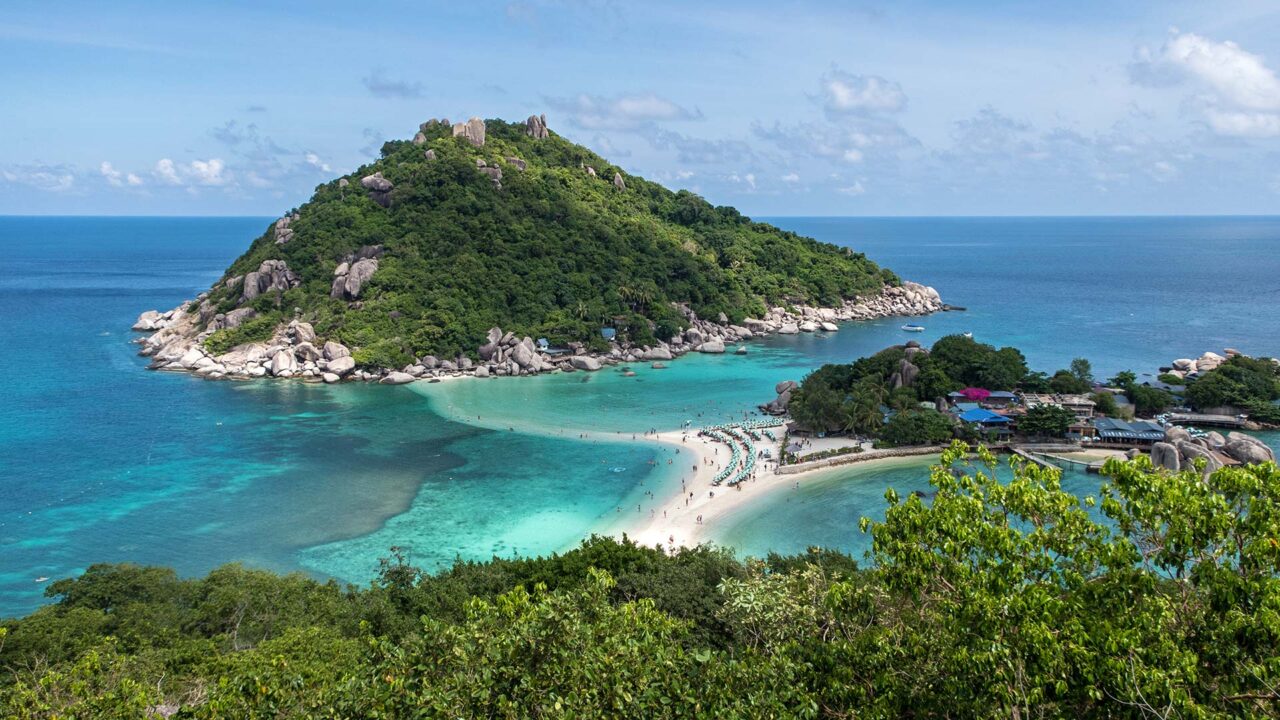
x=176, y=342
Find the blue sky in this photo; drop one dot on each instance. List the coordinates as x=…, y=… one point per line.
x=778, y=108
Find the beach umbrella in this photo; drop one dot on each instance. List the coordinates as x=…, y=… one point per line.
x=974, y=393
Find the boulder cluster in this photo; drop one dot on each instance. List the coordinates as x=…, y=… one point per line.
x=177, y=340
x=293, y=351
x=472, y=130
x=1179, y=450
x=378, y=187
x=351, y=274
x=270, y=275
x=536, y=127
x=1186, y=367
x=283, y=233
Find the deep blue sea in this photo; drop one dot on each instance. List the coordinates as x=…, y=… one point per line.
x=103, y=461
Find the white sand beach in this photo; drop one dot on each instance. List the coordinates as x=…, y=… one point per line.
x=687, y=517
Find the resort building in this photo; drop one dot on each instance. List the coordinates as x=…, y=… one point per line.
x=1081, y=405
x=1132, y=432
x=988, y=422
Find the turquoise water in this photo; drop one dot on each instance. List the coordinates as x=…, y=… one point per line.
x=101, y=460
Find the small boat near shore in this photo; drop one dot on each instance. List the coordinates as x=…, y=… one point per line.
x=913, y=328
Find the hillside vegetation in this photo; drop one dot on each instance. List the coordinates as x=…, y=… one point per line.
x=989, y=598
x=542, y=241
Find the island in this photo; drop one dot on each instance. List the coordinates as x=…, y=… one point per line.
x=500, y=249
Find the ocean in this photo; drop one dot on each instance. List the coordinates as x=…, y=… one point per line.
x=103, y=461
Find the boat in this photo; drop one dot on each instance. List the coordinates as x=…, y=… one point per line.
x=913, y=328
x=42, y=578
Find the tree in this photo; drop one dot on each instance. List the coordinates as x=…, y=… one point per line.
x=917, y=427
x=1148, y=400
x=1067, y=383
x=1123, y=379
x=1083, y=371
x=1105, y=403
x=1046, y=421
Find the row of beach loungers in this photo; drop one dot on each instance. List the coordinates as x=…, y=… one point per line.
x=741, y=439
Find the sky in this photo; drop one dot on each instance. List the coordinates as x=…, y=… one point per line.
x=778, y=108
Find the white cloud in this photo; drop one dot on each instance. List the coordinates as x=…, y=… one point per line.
x=791, y=177
x=50, y=178
x=1163, y=171
x=117, y=178
x=212, y=172
x=1240, y=94
x=1239, y=77
x=1243, y=124
x=623, y=112
x=853, y=190
x=845, y=93
x=167, y=172
x=209, y=172
x=314, y=161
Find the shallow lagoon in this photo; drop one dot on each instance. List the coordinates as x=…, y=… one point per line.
x=103, y=461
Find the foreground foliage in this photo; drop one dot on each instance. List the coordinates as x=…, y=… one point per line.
x=992, y=597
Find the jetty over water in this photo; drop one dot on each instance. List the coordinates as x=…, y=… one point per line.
x=1228, y=421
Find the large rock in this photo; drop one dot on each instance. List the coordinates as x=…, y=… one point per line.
x=536, y=127
x=524, y=356
x=755, y=326
x=301, y=332
x=808, y=326
x=905, y=375
x=694, y=337
x=342, y=365
x=482, y=371
x=1186, y=365
x=378, y=187
x=330, y=378
x=788, y=328
x=785, y=385
x=283, y=364
x=714, y=346
x=270, y=275
x=472, y=130
x=829, y=326
x=334, y=350
x=149, y=321
x=1247, y=449
x=306, y=352
x=584, y=362
x=1215, y=439
x=618, y=182
x=348, y=286
x=1209, y=361
x=1174, y=434
x=1190, y=452
x=397, y=378
x=1166, y=456
x=662, y=352
x=236, y=318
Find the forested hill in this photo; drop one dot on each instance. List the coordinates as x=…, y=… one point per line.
x=485, y=224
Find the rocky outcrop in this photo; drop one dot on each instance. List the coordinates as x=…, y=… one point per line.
x=536, y=127
x=472, y=130
x=351, y=275
x=516, y=162
x=584, y=362
x=1247, y=449
x=283, y=233
x=779, y=405
x=397, y=378
x=270, y=275
x=1165, y=455
x=905, y=375
x=618, y=182
x=378, y=187
x=713, y=346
